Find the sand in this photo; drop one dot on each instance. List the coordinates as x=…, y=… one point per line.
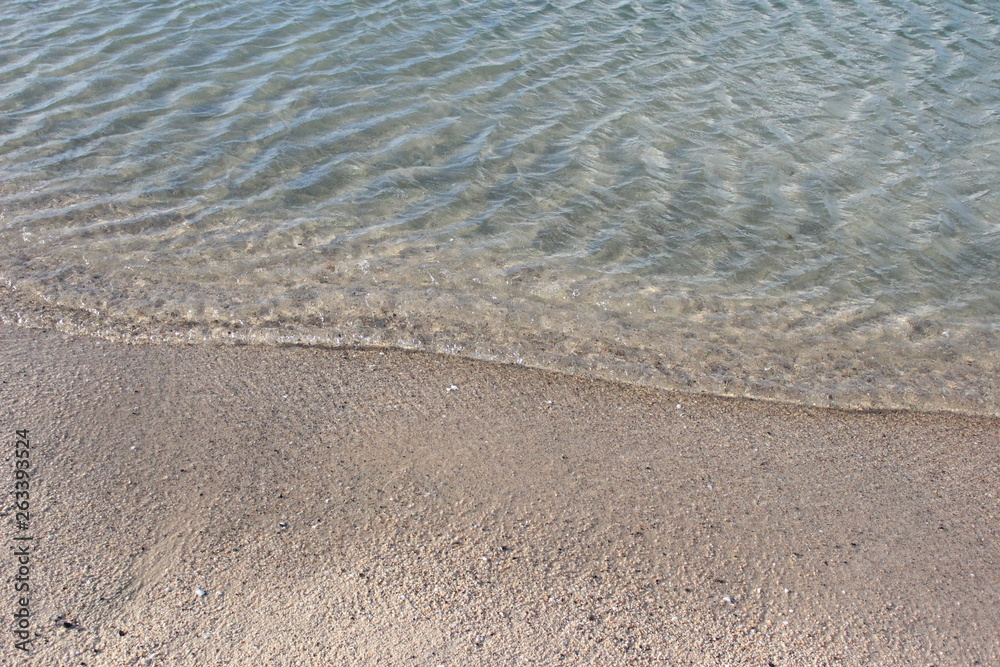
x=222, y=505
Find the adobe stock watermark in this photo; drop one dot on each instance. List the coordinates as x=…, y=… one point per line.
x=22, y=542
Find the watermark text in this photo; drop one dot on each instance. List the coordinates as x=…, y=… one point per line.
x=22, y=541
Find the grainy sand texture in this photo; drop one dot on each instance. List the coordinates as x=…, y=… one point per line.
x=211, y=505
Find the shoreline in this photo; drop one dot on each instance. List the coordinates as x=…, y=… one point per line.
x=390, y=507
x=965, y=384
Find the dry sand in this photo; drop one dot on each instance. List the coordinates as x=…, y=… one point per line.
x=369, y=508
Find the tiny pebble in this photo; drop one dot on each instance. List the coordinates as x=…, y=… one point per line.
x=729, y=600
x=200, y=593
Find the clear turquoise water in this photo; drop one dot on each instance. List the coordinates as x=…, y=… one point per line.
x=798, y=200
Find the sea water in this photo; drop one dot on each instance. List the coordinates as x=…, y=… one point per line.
x=796, y=200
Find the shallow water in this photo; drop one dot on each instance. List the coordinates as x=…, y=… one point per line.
x=793, y=200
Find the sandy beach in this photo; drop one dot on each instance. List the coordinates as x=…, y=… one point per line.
x=211, y=505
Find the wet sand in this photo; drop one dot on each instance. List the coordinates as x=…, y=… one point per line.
x=197, y=505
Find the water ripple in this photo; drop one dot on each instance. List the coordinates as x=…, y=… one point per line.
x=747, y=196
